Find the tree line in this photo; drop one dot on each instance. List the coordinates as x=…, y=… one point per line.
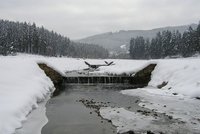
x=166, y=44
x=28, y=38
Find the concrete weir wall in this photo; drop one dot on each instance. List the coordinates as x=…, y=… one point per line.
x=143, y=76
x=140, y=79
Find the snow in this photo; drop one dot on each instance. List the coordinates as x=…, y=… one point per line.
x=64, y=64
x=22, y=85
x=121, y=66
x=36, y=120
x=178, y=106
x=70, y=64
x=125, y=120
x=182, y=76
x=123, y=46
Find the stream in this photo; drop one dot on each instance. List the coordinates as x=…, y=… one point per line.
x=67, y=115
x=76, y=111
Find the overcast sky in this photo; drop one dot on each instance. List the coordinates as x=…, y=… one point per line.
x=82, y=18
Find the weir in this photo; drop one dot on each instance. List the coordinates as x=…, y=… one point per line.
x=139, y=79
x=100, y=80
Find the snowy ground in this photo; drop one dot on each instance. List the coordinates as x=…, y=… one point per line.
x=23, y=84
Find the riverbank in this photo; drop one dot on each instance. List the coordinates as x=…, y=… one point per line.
x=21, y=76
x=22, y=86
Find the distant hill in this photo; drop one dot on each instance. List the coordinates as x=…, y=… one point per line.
x=119, y=41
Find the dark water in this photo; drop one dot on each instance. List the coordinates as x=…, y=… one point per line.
x=67, y=115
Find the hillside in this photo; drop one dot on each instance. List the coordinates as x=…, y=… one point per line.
x=25, y=37
x=119, y=41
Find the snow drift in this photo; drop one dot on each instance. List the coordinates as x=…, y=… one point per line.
x=22, y=86
x=182, y=76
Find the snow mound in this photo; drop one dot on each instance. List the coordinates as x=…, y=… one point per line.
x=182, y=76
x=22, y=85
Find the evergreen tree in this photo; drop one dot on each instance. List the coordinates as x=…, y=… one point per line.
x=193, y=41
x=132, y=47
x=198, y=38
x=140, y=47
x=177, y=43
x=167, y=48
x=147, y=49
x=156, y=46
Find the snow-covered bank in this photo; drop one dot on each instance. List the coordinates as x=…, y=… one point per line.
x=22, y=85
x=177, y=98
x=36, y=120
x=182, y=76
x=179, y=107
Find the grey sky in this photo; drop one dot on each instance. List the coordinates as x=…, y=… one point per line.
x=81, y=18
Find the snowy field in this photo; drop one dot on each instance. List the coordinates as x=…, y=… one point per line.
x=23, y=85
